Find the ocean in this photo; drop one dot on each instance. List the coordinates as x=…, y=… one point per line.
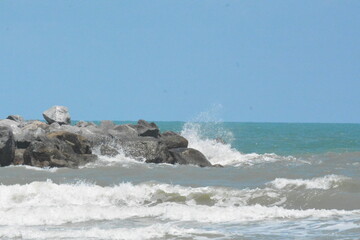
x=279, y=181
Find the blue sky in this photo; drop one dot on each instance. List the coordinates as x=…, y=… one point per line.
x=262, y=61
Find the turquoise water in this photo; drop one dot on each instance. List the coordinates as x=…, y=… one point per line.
x=279, y=181
x=282, y=138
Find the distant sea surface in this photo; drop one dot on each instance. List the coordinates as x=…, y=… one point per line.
x=279, y=181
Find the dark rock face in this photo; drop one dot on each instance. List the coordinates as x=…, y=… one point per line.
x=7, y=146
x=189, y=156
x=59, y=114
x=173, y=140
x=146, y=129
x=59, y=149
x=58, y=144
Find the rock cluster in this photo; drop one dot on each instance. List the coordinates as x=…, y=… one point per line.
x=56, y=143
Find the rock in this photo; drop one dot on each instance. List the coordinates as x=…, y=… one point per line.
x=78, y=143
x=19, y=156
x=146, y=129
x=189, y=156
x=59, y=114
x=12, y=124
x=106, y=150
x=30, y=132
x=59, y=149
x=173, y=140
x=83, y=124
x=16, y=118
x=124, y=131
x=145, y=148
x=7, y=146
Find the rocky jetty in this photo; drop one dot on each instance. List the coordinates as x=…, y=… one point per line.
x=57, y=143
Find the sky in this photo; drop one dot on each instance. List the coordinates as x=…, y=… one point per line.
x=261, y=61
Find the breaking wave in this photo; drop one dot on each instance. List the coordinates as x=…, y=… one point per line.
x=218, y=149
x=48, y=203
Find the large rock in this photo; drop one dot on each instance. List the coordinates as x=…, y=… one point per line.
x=11, y=124
x=30, y=132
x=189, y=156
x=59, y=114
x=79, y=144
x=7, y=146
x=145, y=148
x=146, y=129
x=59, y=149
x=173, y=140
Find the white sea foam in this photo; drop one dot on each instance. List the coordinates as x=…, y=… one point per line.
x=154, y=231
x=326, y=182
x=47, y=203
x=218, y=152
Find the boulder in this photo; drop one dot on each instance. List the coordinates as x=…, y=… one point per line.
x=16, y=118
x=189, y=156
x=124, y=131
x=145, y=129
x=30, y=132
x=173, y=140
x=59, y=149
x=145, y=148
x=78, y=143
x=7, y=146
x=59, y=114
x=109, y=151
x=11, y=124
x=19, y=156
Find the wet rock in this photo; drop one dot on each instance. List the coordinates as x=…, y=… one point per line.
x=19, y=156
x=173, y=140
x=59, y=149
x=59, y=114
x=145, y=148
x=189, y=156
x=109, y=151
x=7, y=146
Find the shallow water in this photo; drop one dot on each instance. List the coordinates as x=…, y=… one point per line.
x=279, y=181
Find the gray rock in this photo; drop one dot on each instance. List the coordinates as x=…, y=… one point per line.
x=59, y=149
x=124, y=131
x=16, y=118
x=59, y=114
x=146, y=129
x=83, y=124
x=173, y=140
x=145, y=148
x=189, y=156
x=12, y=124
x=106, y=150
x=30, y=132
x=7, y=146
x=19, y=156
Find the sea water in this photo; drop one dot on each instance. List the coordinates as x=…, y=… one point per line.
x=279, y=181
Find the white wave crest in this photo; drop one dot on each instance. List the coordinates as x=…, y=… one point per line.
x=218, y=152
x=47, y=203
x=325, y=183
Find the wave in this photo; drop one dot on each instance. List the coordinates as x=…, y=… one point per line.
x=325, y=183
x=48, y=203
x=154, y=231
x=219, y=152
